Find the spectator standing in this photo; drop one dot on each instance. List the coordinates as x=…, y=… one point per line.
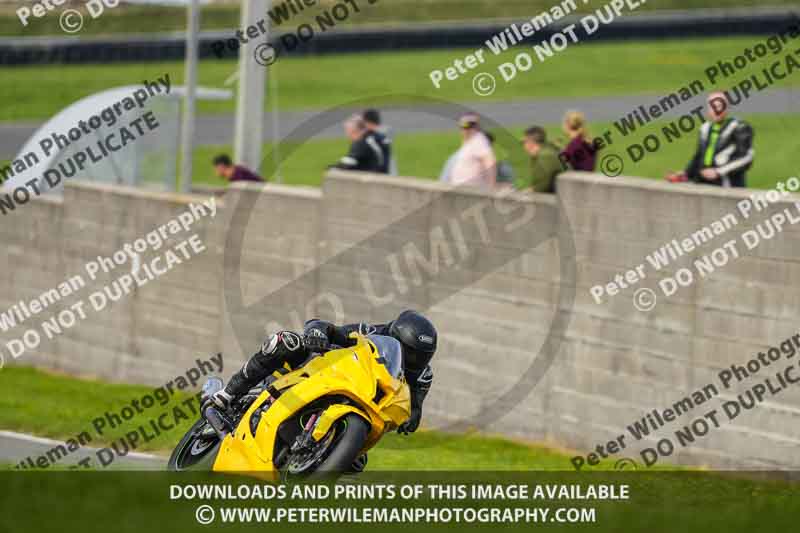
x=365, y=153
x=372, y=119
x=224, y=168
x=474, y=164
x=579, y=153
x=724, y=151
x=545, y=163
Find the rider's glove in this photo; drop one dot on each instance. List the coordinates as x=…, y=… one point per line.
x=220, y=399
x=411, y=425
x=315, y=340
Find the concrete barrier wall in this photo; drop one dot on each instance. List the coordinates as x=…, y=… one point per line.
x=525, y=349
x=149, y=335
x=32, y=262
x=620, y=363
x=272, y=241
x=466, y=258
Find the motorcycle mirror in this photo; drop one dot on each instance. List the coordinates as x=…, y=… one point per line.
x=212, y=385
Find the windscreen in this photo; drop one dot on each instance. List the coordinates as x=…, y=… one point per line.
x=391, y=353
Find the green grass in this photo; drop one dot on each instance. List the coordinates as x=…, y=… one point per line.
x=140, y=19
x=423, y=155
x=432, y=450
x=61, y=407
x=56, y=406
x=316, y=82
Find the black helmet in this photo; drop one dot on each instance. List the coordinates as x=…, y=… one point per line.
x=418, y=337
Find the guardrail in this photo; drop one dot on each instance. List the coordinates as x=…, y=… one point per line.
x=170, y=46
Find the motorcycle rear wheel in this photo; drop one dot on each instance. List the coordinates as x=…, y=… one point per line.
x=193, y=452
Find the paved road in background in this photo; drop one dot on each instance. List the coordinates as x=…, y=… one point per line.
x=15, y=447
x=218, y=129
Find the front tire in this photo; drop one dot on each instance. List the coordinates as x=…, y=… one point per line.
x=338, y=449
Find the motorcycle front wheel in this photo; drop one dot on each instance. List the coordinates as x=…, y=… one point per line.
x=334, y=453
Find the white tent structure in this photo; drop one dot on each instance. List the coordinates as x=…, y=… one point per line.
x=151, y=159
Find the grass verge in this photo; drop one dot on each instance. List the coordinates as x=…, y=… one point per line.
x=61, y=407
x=316, y=82
x=657, y=501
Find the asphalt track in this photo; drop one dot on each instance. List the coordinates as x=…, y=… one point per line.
x=218, y=129
x=15, y=447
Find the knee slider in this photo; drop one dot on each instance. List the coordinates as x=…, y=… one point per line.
x=281, y=343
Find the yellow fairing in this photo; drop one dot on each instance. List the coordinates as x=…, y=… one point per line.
x=352, y=373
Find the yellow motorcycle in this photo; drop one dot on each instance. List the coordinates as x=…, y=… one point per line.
x=314, y=420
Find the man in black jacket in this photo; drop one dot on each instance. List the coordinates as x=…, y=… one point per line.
x=416, y=334
x=365, y=150
x=724, y=151
x=372, y=120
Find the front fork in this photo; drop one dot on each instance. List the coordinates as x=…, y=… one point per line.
x=305, y=441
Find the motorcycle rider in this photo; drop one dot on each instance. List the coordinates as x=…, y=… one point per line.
x=416, y=334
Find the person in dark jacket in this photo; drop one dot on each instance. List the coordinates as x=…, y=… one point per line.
x=724, y=151
x=365, y=151
x=225, y=169
x=579, y=153
x=372, y=120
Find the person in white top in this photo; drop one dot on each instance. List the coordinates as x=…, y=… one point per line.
x=474, y=164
